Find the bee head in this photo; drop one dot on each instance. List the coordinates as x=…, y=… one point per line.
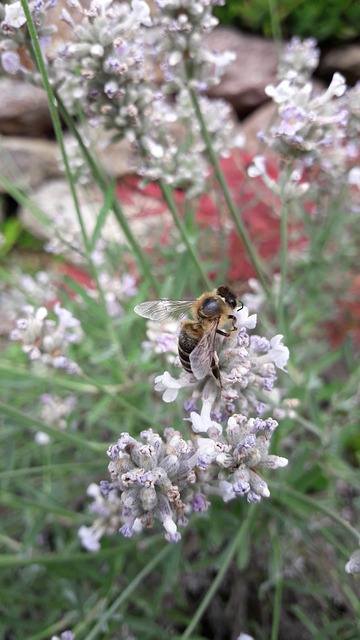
x=226, y=294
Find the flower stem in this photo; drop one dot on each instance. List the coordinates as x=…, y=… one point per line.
x=227, y=557
x=169, y=199
x=240, y=227
x=283, y=272
x=60, y=139
x=280, y=310
x=103, y=184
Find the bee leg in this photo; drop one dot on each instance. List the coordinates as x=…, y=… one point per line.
x=234, y=325
x=223, y=333
x=215, y=369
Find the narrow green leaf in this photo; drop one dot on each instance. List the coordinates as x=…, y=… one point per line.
x=103, y=214
x=68, y=437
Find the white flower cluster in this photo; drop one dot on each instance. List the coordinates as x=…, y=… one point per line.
x=353, y=565
x=248, y=369
x=181, y=47
x=118, y=69
x=47, y=341
x=13, y=36
x=40, y=289
x=107, y=508
x=299, y=60
x=316, y=133
x=166, y=478
x=65, y=635
x=161, y=339
x=308, y=123
x=55, y=412
x=314, y=130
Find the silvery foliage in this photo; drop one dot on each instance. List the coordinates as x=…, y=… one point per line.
x=168, y=477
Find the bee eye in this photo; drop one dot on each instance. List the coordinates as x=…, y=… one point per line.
x=232, y=301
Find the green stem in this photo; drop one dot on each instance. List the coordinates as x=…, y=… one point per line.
x=127, y=592
x=86, y=385
x=226, y=560
x=240, y=227
x=316, y=506
x=67, y=437
x=281, y=320
x=60, y=139
x=276, y=560
x=275, y=25
x=54, y=115
x=168, y=197
x=103, y=184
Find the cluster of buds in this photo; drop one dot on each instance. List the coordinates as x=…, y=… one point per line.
x=236, y=457
x=118, y=88
x=154, y=479
x=166, y=478
x=47, y=341
x=102, y=69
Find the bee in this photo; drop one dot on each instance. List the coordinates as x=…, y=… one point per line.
x=196, y=342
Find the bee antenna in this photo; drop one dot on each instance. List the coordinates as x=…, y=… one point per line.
x=242, y=306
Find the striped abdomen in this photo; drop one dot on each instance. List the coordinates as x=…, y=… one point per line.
x=189, y=338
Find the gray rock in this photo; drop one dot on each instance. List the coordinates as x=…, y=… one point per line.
x=345, y=59
x=148, y=218
x=28, y=161
x=24, y=109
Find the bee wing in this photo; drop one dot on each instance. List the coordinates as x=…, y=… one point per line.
x=162, y=310
x=202, y=356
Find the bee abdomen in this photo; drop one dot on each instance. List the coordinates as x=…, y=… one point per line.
x=188, y=340
x=184, y=359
